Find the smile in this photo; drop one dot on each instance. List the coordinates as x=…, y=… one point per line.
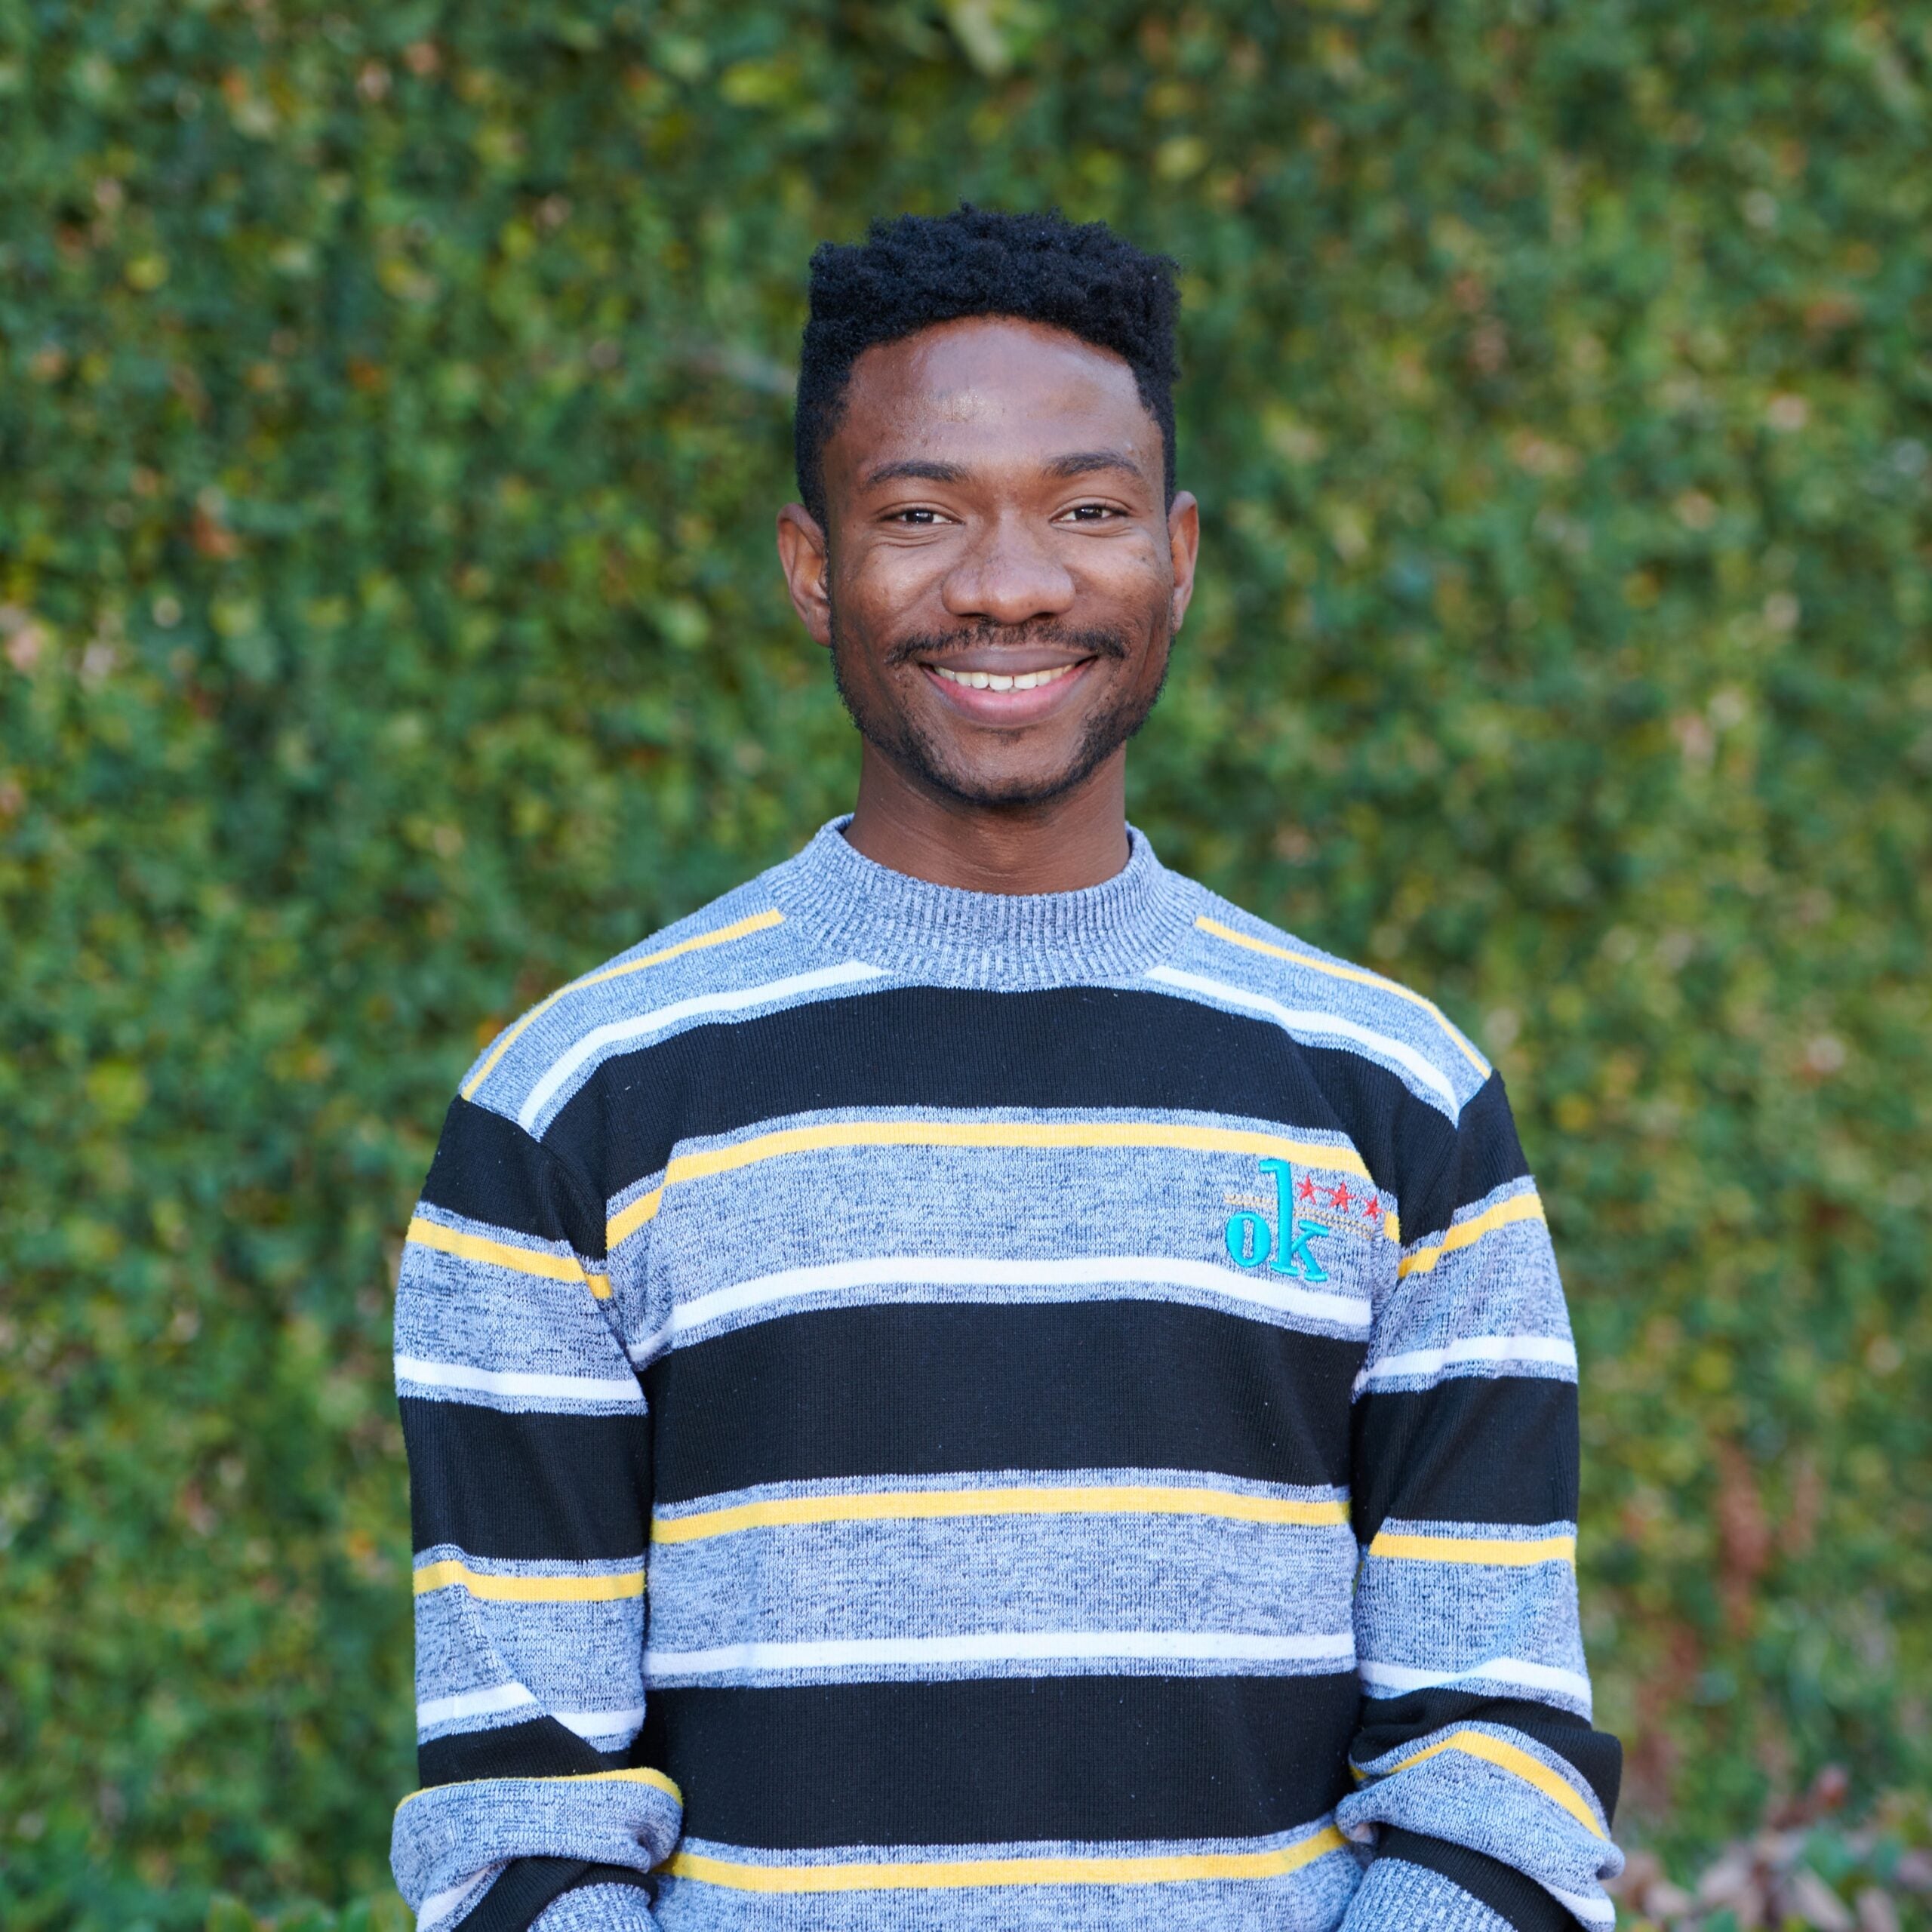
x=997, y=680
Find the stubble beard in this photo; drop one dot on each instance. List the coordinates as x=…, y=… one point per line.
x=900, y=739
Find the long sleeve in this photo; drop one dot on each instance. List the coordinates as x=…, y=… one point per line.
x=529, y=1456
x=1485, y=1791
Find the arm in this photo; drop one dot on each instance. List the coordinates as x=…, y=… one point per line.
x=529, y=1459
x=1486, y=1792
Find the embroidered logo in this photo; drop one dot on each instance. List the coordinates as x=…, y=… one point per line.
x=1251, y=1241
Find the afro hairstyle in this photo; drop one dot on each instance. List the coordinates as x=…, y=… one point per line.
x=911, y=273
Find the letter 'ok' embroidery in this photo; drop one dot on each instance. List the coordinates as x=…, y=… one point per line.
x=1251, y=1240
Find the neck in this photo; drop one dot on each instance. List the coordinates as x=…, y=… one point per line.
x=1063, y=844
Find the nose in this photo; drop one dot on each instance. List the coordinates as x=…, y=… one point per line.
x=1009, y=577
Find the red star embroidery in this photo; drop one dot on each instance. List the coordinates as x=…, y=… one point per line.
x=1341, y=1197
x=1372, y=1208
x=1306, y=1190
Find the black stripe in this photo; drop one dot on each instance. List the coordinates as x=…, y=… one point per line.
x=1390, y=1723
x=487, y=1169
x=1075, y=1047
x=1487, y=1155
x=1515, y=1899
x=527, y=1486
x=924, y=1389
x=537, y=1748
x=526, y=1885
x=1477, y=1449
x=991, y=1760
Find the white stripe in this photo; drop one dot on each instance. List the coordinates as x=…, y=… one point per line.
x=1592, y=1912
x=473, y=1704
x=501, y=1697
x=600, y=1039
x=1393, y=1679
x=1006, y=1646
x=600, y=1724
x=445, y=1904
x=1300, y=1022
x=643, y=1353
x=966, y=1271
x=516, y=1382
x=1552, y=1348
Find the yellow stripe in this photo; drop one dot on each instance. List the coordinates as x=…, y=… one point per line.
x=529, y=1589
x=643, y=1209
x=1475, y=1549
x=981, y=1133
x=900, y=1505
x=504, y=1254
x=632, y=1775
x=758, y=923
x=954, y=1873
x=1507, y=1757
x=1466, y=1234
x=1361, y=979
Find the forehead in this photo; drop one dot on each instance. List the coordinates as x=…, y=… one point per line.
x=987, y=388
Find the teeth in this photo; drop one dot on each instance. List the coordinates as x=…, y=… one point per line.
x=997, y=680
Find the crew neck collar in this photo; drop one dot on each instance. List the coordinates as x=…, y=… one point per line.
x=865, y=910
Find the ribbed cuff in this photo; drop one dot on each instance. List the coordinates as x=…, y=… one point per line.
x=530, y=1892
x=1397, y=1897
x=599, y=1909
x=1513, y=1896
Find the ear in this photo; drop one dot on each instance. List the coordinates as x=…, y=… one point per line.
x=805, y=557
x=1184, y=544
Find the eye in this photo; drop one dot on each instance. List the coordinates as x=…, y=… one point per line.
x=914, y=519
x=1091, y=513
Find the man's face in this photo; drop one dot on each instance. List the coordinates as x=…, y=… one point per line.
x=1002, y=579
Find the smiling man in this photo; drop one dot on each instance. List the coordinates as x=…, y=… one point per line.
x=973, y=1383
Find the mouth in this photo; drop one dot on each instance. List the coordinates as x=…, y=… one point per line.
x=1028, y=693
x=1007, y=681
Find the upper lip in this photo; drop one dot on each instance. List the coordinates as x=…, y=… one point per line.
x=1008, y=661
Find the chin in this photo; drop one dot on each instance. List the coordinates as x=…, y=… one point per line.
x=1003, y=787
x=1012, y=796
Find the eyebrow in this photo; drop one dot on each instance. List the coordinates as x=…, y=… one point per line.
x=1085, y=463
x=922, y=470
x=916, y=468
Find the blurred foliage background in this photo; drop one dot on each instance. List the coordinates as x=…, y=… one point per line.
x=393, y=403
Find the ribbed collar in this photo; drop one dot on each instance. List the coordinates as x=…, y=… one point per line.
x=942, y=933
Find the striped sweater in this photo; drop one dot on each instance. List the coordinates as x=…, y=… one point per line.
x=934, y=1409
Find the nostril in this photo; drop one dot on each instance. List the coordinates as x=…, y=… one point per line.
x=1008, y=593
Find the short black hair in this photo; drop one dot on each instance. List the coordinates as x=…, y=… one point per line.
x=911, y=273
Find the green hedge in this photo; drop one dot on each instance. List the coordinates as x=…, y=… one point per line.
x=393, y=402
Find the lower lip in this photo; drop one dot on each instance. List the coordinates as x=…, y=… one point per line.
x=1012, y=707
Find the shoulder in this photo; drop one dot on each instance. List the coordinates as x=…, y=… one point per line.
x=1230, y=958
x=738, y=950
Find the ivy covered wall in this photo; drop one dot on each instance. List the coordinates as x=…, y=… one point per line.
x=393, y=403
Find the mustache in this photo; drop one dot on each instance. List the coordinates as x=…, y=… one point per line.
x=932, y=645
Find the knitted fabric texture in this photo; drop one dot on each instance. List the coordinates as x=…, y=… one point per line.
x=1393, y=1893
x=599, y=1909
x=942, y=1409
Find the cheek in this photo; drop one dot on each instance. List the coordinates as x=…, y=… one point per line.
x=1139, y=573
x=887, y=582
